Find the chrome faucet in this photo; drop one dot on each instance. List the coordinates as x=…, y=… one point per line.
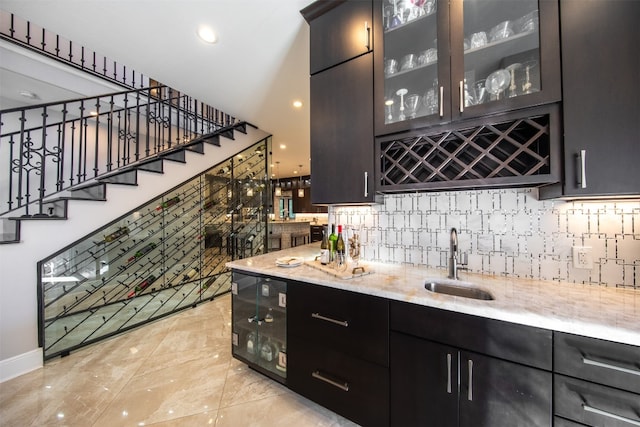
x=453, y=255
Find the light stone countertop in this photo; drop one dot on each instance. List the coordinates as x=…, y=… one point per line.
x=594, y=311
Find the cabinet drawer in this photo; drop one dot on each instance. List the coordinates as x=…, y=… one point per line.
x=517, y=343
x=604, y=362
x=348, y=322
x=594, y=404
x=353, y=388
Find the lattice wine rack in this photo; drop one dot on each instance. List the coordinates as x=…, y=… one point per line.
x=512, y=152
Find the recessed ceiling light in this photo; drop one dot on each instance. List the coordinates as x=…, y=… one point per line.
x=207, y=35
x=28, y=94
x=297, y=104
x=283, y=146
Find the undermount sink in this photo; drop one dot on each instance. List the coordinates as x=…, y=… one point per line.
x=461, y=289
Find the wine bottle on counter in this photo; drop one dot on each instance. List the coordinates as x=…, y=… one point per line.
x=122, y=231
x=142, y=286
x=142, y=252
x=333, y=238
x=168, y=203
x=324, y=248
x=340, y=248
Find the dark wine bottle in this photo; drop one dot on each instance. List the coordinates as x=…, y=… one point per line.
x=168, y=203
x=142, y=286
x=142, y=252
x=122, y=231
x=324, y=248
x=340, y=248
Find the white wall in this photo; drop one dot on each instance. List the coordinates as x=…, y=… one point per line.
x=40, y=239
x=504, y=232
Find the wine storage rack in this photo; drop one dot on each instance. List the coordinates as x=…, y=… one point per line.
x=510, y=152
x=167, y=255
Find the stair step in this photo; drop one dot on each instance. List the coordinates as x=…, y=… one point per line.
x=92, y=191
x=154, y=165
x=195, y=146
x=213, y=139
x=128, y=176
x=176, y=155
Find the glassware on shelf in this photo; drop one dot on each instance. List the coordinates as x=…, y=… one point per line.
x=412, y=103
x=480, y=91
x=390, y=67
x=478, y=39
x=408, y=62
x=497, y=82
x=401, y=93
x=529, y=71
x=513, y=88
x=388, y=104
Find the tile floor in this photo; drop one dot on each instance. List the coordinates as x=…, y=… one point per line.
x=177, y=371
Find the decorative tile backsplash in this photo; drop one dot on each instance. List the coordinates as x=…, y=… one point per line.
x=504, y=232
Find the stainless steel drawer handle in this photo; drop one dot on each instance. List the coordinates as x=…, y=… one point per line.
x=366, y=184
x=328, y=319
x=610, y=415
x=470, y=393
x=582, y=164
x=344, y=386
x=592, y=362
x=449, y=373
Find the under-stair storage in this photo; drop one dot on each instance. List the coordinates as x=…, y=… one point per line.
x=165, y=256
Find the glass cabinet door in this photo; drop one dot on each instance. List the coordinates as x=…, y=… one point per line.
x=501, y=50
x=414, y=65
x=259, y=323
x=504, y=54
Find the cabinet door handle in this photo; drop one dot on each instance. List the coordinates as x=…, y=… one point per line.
x=592, y=362
x=470, y=392
x=461, y=92
x=366, y=184
x=611, y=415
x=441, y=101
x=367, y=32
x=344, y=386
x=328, y=319
x=582, y=166
x=449, y=373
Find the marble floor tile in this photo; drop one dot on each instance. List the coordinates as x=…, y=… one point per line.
x=176, y=371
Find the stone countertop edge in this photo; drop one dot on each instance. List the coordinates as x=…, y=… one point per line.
x=602, y=312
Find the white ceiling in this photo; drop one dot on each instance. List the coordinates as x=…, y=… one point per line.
x=255, y=71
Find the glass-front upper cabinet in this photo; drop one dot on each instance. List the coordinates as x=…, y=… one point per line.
x=441, y=61
x=415, y=65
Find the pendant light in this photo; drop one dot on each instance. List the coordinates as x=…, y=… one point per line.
x=278, y=189
x=300, y=189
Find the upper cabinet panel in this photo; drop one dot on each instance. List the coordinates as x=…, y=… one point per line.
x=339, y=34
x=441, y=61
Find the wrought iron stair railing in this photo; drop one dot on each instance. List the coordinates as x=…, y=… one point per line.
x=30, y=36
x=50, y=148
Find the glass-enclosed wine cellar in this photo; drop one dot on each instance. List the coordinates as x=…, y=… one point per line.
x=167, y=255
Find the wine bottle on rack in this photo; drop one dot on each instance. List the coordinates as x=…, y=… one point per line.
x=324, y=248
x=122, y=231
x=168, y=203
x=142, y=252
x=142, y=286
x=333, y=238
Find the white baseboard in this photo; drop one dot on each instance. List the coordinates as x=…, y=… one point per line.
x=20, y=364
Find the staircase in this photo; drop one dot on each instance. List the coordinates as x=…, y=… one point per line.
x=74, y=169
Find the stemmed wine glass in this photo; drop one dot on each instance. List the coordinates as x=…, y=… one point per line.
x=401, y=93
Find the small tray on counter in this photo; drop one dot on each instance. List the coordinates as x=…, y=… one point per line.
x=350, y=273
